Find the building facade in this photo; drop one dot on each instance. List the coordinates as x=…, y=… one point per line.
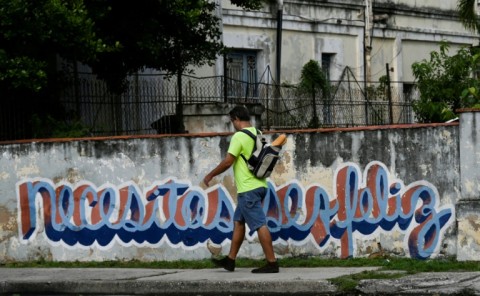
x=363, y=35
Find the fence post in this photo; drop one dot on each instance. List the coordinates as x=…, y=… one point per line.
x=76, y=86
x=267, y=109
x=179, y=109
x=137, y=105
x=389, y=95
x=225, y=78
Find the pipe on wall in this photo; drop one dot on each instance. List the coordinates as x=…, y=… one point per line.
x=279, y=41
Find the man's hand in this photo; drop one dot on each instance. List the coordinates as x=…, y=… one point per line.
x=221, y=167
x=207, y=179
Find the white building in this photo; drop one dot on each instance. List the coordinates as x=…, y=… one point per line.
x=364, y=35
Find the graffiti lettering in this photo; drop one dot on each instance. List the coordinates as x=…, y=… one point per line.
x=85, y=215
x=179, y=214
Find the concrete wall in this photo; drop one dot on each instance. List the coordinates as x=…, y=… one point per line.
x=339, y=192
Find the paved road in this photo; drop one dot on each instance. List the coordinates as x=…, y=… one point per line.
x=290, y=281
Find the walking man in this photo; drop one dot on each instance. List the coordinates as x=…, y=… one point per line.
x=250, y=193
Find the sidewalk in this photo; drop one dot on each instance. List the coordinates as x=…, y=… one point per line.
x=300, y=281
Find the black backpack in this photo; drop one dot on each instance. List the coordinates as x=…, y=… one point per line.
x=264, y=156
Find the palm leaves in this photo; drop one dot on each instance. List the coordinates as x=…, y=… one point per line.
x=468, y=16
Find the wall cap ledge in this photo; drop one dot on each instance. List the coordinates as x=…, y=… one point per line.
x=467, y=110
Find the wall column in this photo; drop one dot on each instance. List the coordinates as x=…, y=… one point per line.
x=468, y=206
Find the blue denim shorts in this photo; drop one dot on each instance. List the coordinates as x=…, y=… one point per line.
x=249, y=208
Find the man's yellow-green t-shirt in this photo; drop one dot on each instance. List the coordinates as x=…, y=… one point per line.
x=242, y=143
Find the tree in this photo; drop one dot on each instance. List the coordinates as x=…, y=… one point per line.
x=169, y=36
x=467, y=14
x=32, y=33
x=163, y=35
x=114, y=37
x=471, y=21
x=442, y=80
x=313, y=82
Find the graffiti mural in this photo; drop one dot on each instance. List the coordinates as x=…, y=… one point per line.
x=179, y=214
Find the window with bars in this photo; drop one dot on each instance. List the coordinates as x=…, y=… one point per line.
x=326, y=62
x=242, y=74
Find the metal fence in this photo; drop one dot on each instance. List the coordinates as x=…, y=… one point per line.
x=345, y=106
x=150, y=104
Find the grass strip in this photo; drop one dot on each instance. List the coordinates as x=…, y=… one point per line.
x=410, y=266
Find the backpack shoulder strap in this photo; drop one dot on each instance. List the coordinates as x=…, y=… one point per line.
x=254, y=138
x=250, y=133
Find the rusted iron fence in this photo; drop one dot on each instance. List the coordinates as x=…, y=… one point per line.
x=151, y=102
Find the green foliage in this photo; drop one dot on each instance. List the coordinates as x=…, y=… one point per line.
x=468, y=15
x=471, y=96
x=22, y=72
x=350, y=282
x=313, y=82
x=313, y=79
x=164, y=35
x=428, y=111
x=116, y=38
x=407, y=265
x=170, y=36
x=50, y=127
x=442, y=81
x=378, y=92
x=33, y=32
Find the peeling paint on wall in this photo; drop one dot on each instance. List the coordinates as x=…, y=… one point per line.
x=322, y=200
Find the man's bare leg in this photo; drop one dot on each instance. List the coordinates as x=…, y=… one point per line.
x=237, y=239
x=266, y=242
x=238, y=236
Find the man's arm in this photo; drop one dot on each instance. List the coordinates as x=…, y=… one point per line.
x=224, y=165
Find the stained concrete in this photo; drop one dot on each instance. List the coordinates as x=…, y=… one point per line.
x=290, y=281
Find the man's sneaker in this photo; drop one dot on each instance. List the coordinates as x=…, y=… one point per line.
x=270, y=267
x=226, y=263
